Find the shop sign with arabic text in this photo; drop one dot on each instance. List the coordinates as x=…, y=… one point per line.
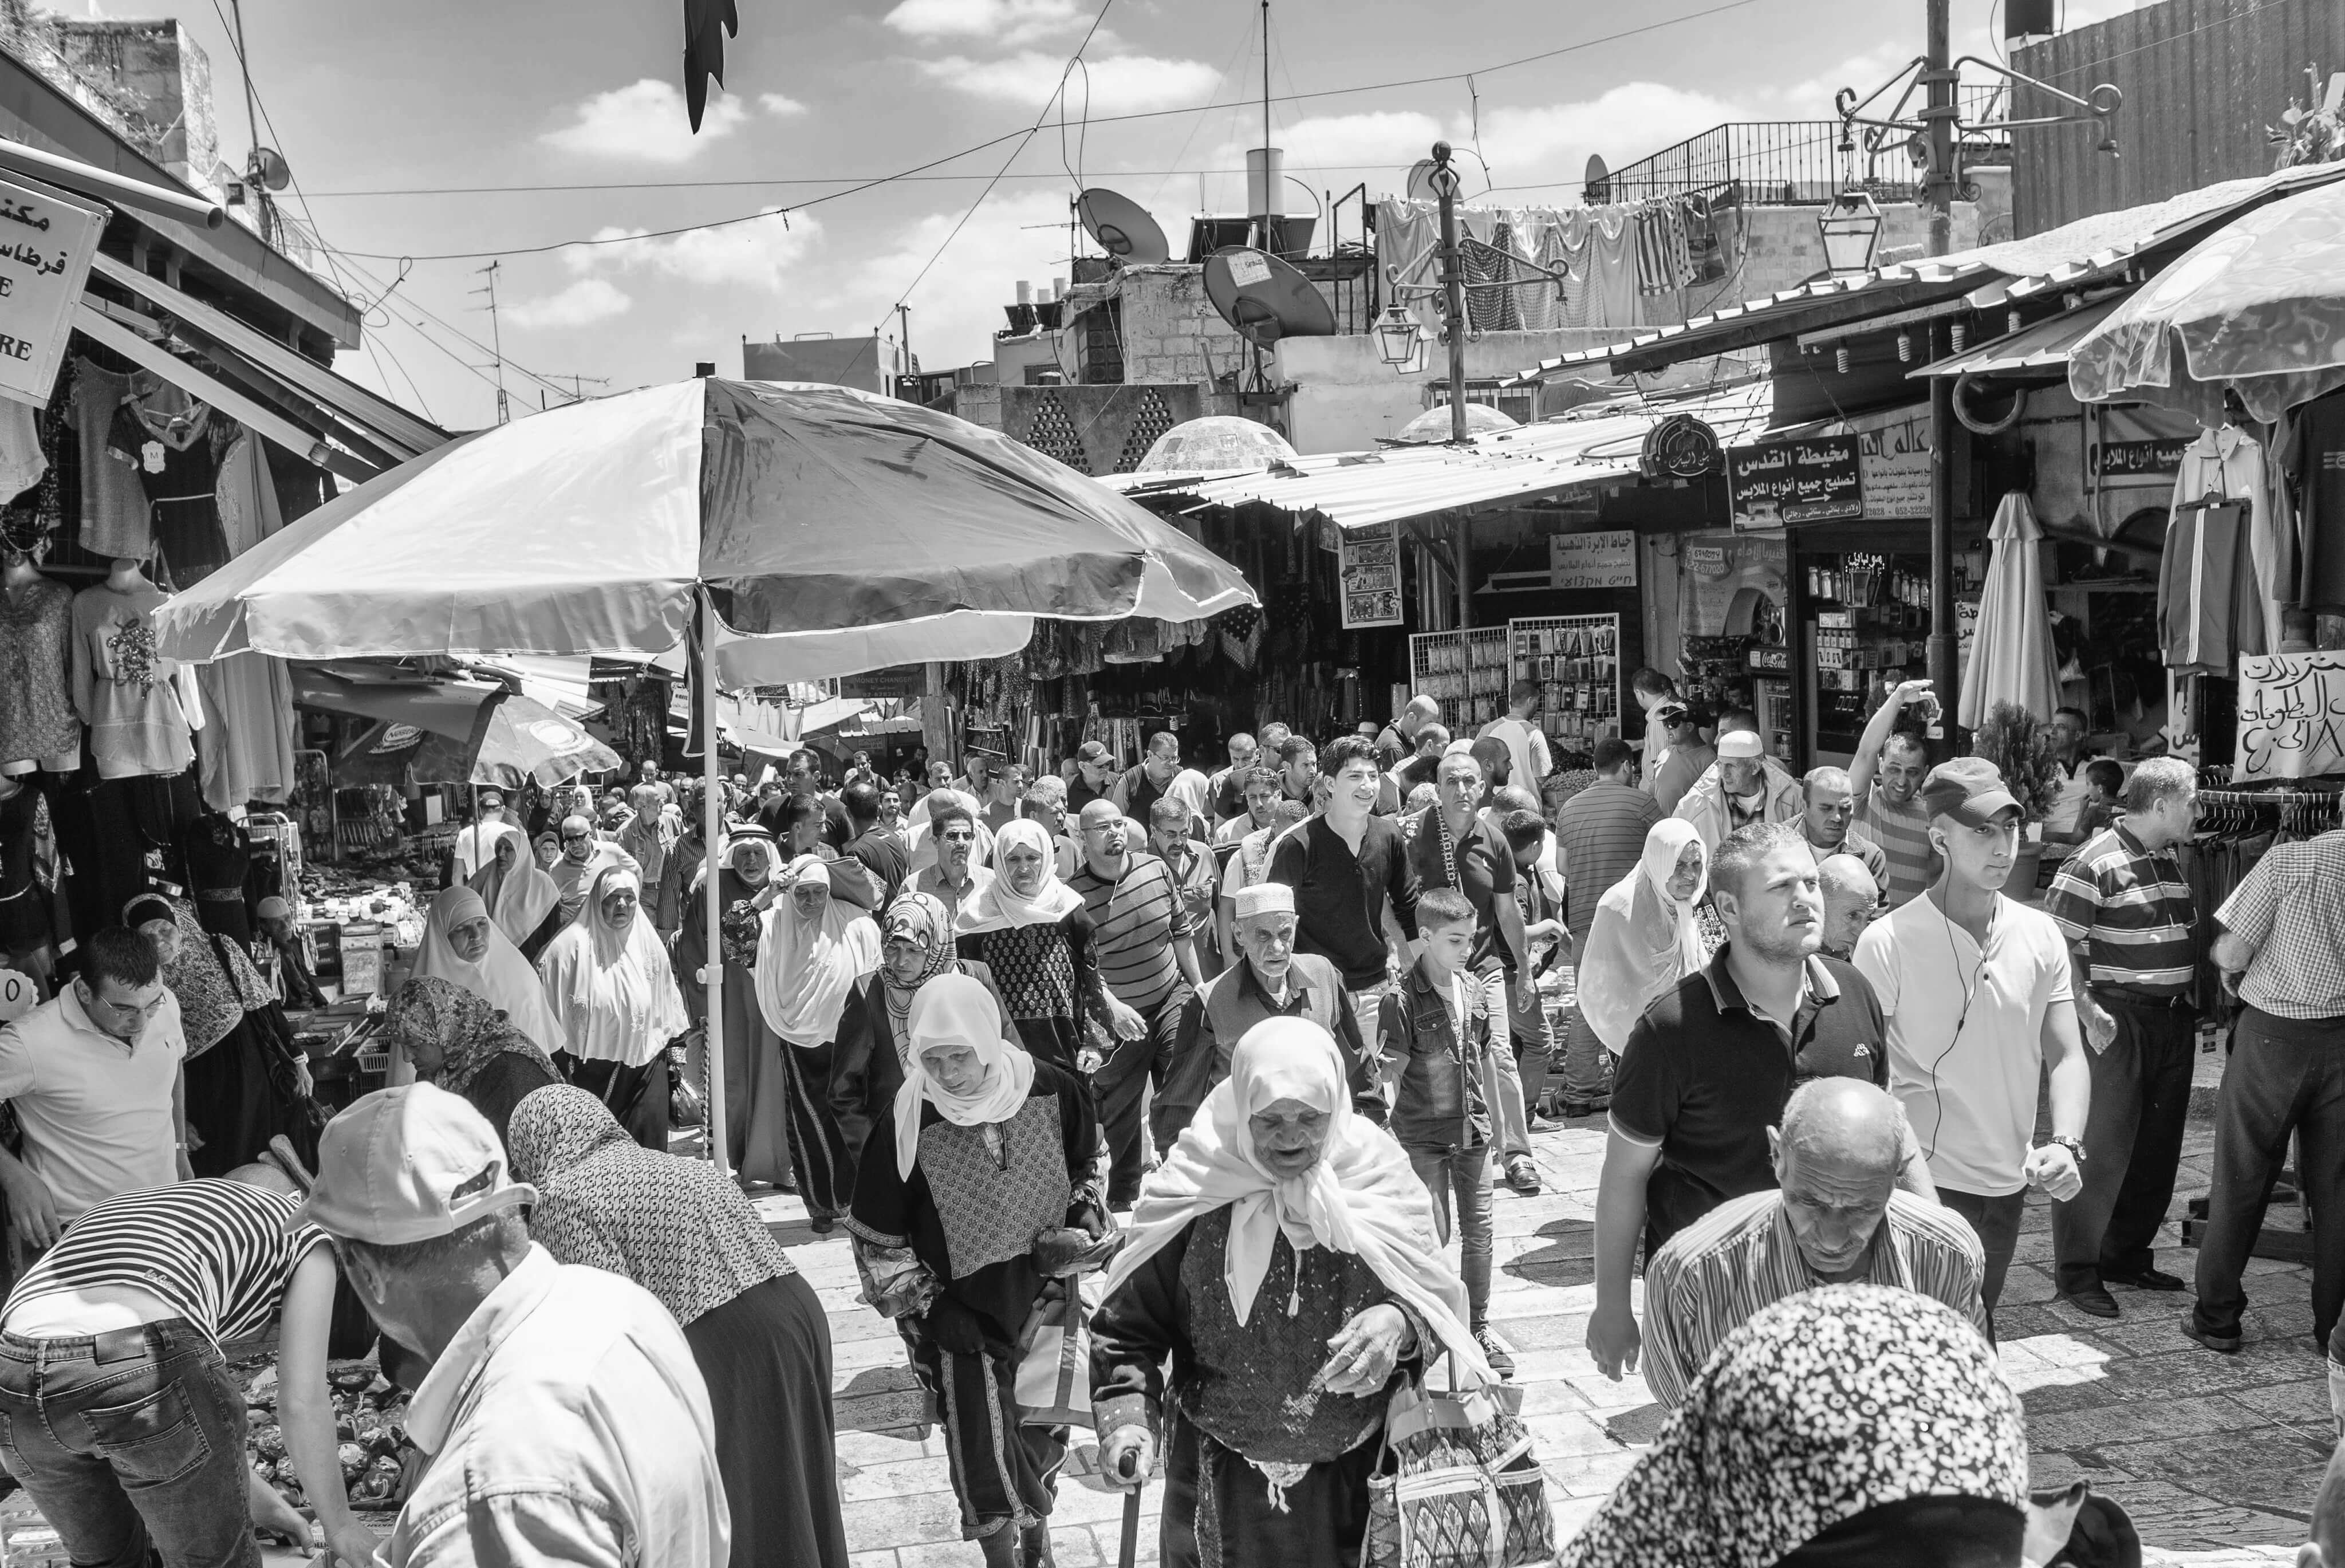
x=46, y=241
x=1806, y=481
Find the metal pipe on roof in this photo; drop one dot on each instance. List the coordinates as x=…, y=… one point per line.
x=91, y=180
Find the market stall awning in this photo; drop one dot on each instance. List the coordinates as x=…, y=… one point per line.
x=2074, y=254
x=1367, y=489
x=2041, y=347
x=461, y=731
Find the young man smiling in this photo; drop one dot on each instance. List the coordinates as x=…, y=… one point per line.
x=1355, y=894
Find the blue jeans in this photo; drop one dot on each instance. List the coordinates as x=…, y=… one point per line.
x=130, y=1442
x=1467, y=1173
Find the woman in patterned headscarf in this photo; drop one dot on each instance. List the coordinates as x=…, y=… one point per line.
x=875, y=1037
x=757, y=1330
x=1854, y=1424
x=456, y=1039
x=985, y=1158
x=232, y=1106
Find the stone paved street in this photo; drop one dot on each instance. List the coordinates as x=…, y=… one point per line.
x=2215, y=1458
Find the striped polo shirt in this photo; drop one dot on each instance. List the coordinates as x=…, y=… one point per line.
x=1137, y=918
x=1600, y=832
x=217, y=1252
x=1903, y=834
x=2130, y=910
x=1741, y=1256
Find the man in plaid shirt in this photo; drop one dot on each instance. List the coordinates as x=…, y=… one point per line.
x=2283, y=939
x=2125, y=911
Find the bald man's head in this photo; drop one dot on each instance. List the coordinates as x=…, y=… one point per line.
x=1851, y=896
x=1837, y=1154
x=1420, y=709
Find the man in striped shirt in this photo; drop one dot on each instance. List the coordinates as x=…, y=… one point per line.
x=1836, y=1219
x=2123, y=905
x=1141, y=939
x=122, y=1424
x=1600, y=837
x=1886, y=775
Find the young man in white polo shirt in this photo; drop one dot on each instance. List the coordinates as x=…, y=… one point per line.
x=1976, y=991
x=95, y=1076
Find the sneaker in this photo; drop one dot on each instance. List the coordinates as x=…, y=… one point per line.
x=1494, y=1350
x=1539, y=1123
x=1523, y=1176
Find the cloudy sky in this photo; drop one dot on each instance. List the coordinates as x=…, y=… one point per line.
x=435, y=128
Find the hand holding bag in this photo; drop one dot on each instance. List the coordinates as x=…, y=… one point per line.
x=1459, y=1484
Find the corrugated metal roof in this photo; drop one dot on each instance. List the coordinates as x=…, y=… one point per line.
x=2043, y=346
x=1364, y=489
x=2060, y=258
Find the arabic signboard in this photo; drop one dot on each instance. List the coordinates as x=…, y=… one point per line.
x=46, y=241
x=1894, y=464
x=1602, y=560
x=2135, y=446
x=1794, y=482
x=1369, y=559
x=2291, y=715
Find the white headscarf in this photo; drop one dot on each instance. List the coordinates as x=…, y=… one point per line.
x=518, y=899
x=476, y=845
x=1362, y=1197
x=807, y=965
x=502, y=978
x=1641, y=941
x=957, y=1010
x=611, y=988
x=997, y=906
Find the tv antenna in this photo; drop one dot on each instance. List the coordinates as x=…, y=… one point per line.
x=496, y=340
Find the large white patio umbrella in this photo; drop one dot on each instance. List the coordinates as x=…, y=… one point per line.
x=809, y=531
x=2011, y=654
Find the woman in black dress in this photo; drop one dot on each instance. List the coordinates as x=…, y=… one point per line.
x=1031, y=931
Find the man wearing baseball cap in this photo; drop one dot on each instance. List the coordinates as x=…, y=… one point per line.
x=1976, y=991
x=1744, y=787
x=564, y=1417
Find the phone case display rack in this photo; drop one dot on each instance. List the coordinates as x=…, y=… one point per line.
x=1576, y=659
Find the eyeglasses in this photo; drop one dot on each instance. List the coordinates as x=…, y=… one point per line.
x=126, y=1012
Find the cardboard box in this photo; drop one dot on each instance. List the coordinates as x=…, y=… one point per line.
x=361, y=947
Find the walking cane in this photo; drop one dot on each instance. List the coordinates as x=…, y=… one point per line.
x=1130, y=1550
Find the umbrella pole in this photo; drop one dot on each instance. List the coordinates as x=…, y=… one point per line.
x=713, y=1041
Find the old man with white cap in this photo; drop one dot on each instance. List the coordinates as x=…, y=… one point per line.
x=1743, y=785
x=1273, y=982
x=565, y=1416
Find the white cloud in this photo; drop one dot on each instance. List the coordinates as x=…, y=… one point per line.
x=1008, y=23
x=1398, y=137
x=958, y=307
x=780, y=104
x=1131, y=83
x=755, y=254
x=583, y=303
x=1625, y=123
x=645, y=121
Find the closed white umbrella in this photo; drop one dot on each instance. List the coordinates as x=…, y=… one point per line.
x=2011, y=656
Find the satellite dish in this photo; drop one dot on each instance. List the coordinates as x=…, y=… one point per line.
x=269, y=166
x=1420, y=180
x=1123, y=228
x=1598, y=181
x=1264, y=299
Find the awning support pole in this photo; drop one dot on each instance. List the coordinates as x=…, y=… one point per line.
x=713, y=1040
x=1942, y=546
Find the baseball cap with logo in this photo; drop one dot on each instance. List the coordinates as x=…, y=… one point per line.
x=408, y=1165
x=1970, y=789
x=1094, y=753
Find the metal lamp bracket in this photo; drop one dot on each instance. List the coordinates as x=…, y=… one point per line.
x=2097, y=107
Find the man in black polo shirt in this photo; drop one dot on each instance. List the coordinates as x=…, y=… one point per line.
x=1708, y=1067
x=1355, y=894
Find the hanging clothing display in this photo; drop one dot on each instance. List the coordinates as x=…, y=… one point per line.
x=22, y=461
x=180, y=473
x=124, y=690
x=247, y=743
x=2228, y=465
x=2206, y=607
x=2320, y=449
x=114, y=514
x=1664, y=258
x=1613, y=297
x=36, y=711
x=244, y=494
x=1595, y=249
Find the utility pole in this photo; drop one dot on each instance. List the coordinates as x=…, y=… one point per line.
x=1453, y=316
x=254, y=183
x=1938, y=115
x=904, y=331
x=496, y=340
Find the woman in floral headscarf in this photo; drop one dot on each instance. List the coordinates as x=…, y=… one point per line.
x=233, y=1106
x=456, y=1039
x=756, y=1097
x=813, y=950
x=874, y=1038
x=1854, y=1423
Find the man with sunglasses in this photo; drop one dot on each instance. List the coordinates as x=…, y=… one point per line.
x=95, y=1076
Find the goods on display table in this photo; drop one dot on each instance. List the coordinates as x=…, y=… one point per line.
x=1465, y=671
x=370, y=1432
x=1576, y=659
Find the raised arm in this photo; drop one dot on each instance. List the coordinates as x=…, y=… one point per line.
x=1877, y=731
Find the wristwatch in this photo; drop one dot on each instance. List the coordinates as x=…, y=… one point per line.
x=2075, y=1147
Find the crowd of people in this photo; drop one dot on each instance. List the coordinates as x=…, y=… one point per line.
x=1223, y=1062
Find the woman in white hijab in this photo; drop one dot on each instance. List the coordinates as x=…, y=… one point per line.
x=521, y=898
x=463, y=946
x=607, y=979
x=813, y=950
x=1282, y=1260
x=983, y=1164
x=757, y=1096
x=1645, y=938
x=1031, y=931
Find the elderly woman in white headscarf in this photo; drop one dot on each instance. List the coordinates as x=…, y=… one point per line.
x=813, y=950
x=466, y=947
x=608, y=982
x=1645, y=938
x=756, y=1097
x=520, y=896
x=1283, y=1261
x=963, y=1207
x=1031, y=931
